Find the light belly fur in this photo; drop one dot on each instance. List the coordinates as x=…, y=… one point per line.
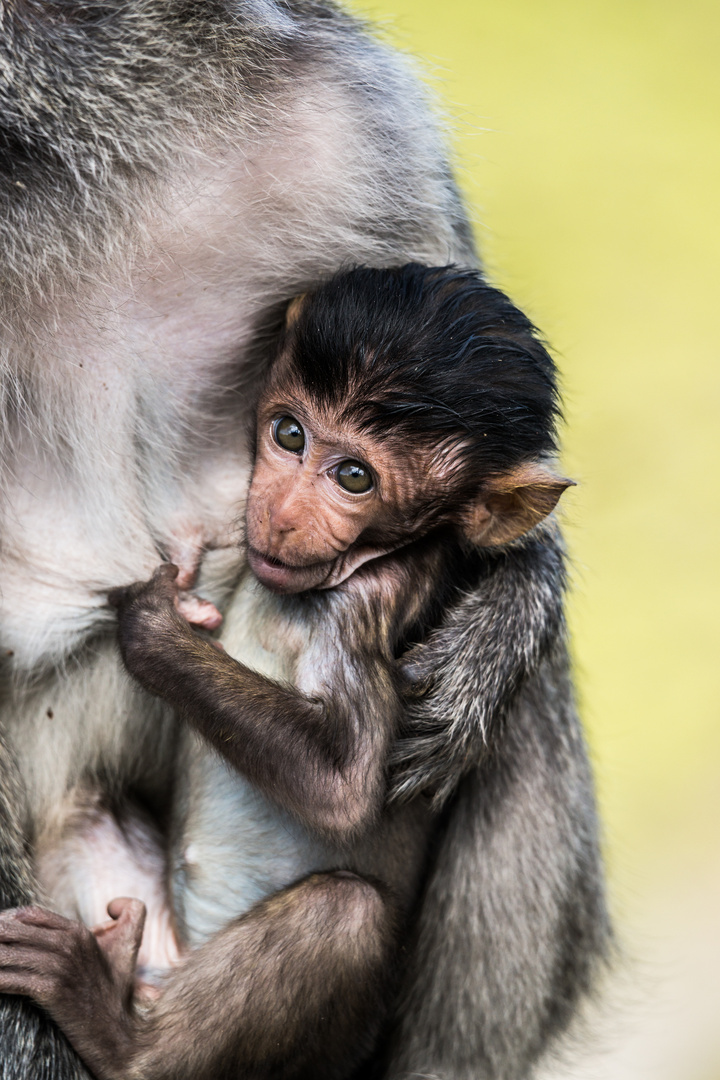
x=235, y=846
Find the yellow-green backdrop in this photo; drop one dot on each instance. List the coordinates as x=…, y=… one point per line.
x=587, y=138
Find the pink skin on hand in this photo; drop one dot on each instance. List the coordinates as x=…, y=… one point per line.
x=198, y=612
x=163, y=585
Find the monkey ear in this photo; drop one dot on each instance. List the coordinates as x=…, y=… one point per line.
x=511, y=504
x=292, y=312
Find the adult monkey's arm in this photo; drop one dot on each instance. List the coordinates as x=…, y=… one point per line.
x=515, y=903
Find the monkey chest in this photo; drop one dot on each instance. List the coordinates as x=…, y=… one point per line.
x=233, y=846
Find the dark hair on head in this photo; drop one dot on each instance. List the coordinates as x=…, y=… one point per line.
x=430, y=352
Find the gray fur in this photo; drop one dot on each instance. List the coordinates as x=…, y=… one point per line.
x=31, y=1048
x=497, y=635
x=230, y=155
x=514, y=916
x=99, y=102
x=513, y=930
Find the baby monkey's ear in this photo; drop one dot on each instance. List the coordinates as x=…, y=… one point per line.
x=511, y=504
x=292, y=313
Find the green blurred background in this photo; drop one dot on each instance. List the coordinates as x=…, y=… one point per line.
x=587, y=136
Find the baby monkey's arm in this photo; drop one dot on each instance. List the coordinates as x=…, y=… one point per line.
x=322, y=758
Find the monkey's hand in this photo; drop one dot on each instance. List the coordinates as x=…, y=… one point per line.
x=198, y=612
x=162, y=588
x=414, y=678
x=84, y=978
x=159, y=592
x=460, y=682
x=156, y=642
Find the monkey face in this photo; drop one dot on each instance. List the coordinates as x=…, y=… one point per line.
x=323, y=500
x=326, y=497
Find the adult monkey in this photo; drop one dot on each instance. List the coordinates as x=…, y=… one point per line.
x=170, y=174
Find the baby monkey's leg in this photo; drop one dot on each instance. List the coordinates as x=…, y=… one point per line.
x=289, y=990
x=293, y=988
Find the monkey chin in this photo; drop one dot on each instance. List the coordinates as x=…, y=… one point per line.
x=280, y=577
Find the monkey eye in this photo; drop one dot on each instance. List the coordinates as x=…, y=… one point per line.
x=354, y=477
x=289, y=434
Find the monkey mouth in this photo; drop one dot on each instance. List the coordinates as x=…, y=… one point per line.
x=272, y=561
x=283, y=577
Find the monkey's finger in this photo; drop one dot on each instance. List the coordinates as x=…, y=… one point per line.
x=162, y=583
x=198, y=612
x=167, y=571
x=39, y=941
x=34, y=916
x=120, y=940
x=415, y=679
x=25, y=984
x=19, y=934
x=20, y=958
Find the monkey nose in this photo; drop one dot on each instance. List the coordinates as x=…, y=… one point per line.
x=282, y=526
x=283, y=519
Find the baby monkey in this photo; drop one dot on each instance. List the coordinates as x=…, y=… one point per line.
x=406, y=424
